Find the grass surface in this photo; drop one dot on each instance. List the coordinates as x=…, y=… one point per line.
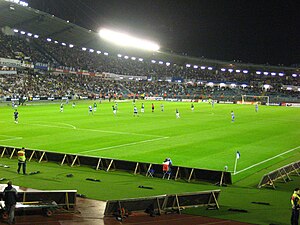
x=205, y=138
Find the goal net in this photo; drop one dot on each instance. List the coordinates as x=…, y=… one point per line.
x=255, y=99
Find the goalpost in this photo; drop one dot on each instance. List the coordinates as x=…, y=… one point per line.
x=255, y=99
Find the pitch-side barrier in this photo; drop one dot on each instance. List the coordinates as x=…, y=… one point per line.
x=162, y=203
x=108, y=164
x=279, y=174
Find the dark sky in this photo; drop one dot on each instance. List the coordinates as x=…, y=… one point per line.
x=255, y=31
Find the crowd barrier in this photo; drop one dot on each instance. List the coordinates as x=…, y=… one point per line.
x=163, y=203
x=281, y=173
x=107, y=164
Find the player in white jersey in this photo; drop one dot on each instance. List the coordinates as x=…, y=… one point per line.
x=90, y=110
x=142, y=108
x=135, y=111
x=177, y=114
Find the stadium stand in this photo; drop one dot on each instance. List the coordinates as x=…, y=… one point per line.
x=65, y=66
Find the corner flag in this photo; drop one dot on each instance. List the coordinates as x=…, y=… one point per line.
x=238, y=155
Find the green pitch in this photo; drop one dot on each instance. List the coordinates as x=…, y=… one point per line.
x=203, y=138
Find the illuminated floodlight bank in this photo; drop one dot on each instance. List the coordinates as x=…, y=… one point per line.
x=127, y=40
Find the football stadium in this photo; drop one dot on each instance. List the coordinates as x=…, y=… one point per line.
x=117, y=130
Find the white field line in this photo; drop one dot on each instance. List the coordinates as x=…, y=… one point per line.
x=276, y=156
x=128, y=144
x=10, y=138
x=69, y=126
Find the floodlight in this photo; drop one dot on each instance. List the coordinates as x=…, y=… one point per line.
x=133, y=58
x=280, y=74
x=266, y=73
x=168, y=64
x=195, y=67
x=105, y=53
x=209, y=68
x=16, y=31
x=141, y=59
x=153, y=61
x=22, y=32
x=273, y=73
x=289, y=88
x=63, y=44
x=245, y=71
x=222, y=85
x=237, y=71
x=160, y=62
x=68, y=21
x=22, y=3
x=188, y=65
x=294, y=75
x=258, y=72
x=83, y=49
x=210, y=84
x=298, y=89
x=202, y=67
x=230, y=70
x=55, y=42
x=127, y=40
x=126, y=57
x=244, y=85
x=29, y=34
x=232, y=85
x=49, y=39
x=91, y=50
x=119, y=55
x=71, y=46
x=223, y=69
x=36, y=36
x=98, y=52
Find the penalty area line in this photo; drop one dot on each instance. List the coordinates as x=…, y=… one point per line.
x=128, y=144
x=274, y=157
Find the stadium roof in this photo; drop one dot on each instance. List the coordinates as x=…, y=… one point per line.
x=45, y=25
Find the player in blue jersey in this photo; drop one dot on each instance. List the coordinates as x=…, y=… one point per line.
x=232, y=116
x=16, y=116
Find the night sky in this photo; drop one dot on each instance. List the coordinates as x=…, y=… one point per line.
x=252, y=31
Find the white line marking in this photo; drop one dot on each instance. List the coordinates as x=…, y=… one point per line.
x=128, y=144
x=276, y=156
x=10, y=138
x=94, y=130
x=47, y=125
